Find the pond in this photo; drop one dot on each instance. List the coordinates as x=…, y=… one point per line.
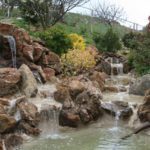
x=94, y=137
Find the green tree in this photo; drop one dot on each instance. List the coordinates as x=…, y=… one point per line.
x=108, y=42
x=47, y=12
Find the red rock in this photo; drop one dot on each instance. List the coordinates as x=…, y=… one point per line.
x=38, y=51
x=26, y=37
x=6, y=28
x=99, y=78
x=49, y=73
x=9, y=79
x=28, y=52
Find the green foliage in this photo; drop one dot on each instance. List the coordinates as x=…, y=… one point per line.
x=21, y=24
x=140, y=51
x=109, y=42
x=131, y=39
x=57, y=40
x=142, y=57
x=131, y=59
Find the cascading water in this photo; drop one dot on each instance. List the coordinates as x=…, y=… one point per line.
x=50, y=123
x=49, y=111
x=117, y=117
x=117, y=65
x=12, y=44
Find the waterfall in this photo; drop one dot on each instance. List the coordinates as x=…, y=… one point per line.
x=117, y=65
x=37, y=77
x=17, y=116
x=50, y=122
x=117, y=118
x=12, y=44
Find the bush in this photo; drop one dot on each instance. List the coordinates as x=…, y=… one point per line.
x=140, y=53
x=131, y=40
x=142, y=58
x=77, y=41
x=77, y=60
x=109, y=42
x=57, y=40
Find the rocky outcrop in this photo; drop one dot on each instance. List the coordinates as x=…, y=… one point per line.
x=28, y=83
x=9, y=81
x=140, y=86
x=28, y=51
x=81, y=101
x=49, y=73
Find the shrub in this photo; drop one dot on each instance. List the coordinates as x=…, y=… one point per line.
x=57, y=40
x=77, y=41
x=142, y=58
x=109, y=42
x=77, y=60
x=140, y=53
x=131, y=40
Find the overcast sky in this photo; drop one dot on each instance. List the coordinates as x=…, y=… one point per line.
x=136, y=10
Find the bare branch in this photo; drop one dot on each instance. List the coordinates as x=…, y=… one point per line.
x=108, y=13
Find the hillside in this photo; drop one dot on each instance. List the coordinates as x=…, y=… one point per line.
x=76, y=23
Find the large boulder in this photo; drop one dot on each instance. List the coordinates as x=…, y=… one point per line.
x=103, y=66
x=117, y=108
x=144, y=109
x=49, y=73
x=28, y=129
x=6, y=123
x=75, y=87
x=99, y=78
x=62, y=94
x=52, y=60
x=88, y=106
x=9, y=80
x=28, y=84
x=69, y=117
x=29, y=113
x=140, y=86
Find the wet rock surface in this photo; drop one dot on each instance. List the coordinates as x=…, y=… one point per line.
x=117, y=108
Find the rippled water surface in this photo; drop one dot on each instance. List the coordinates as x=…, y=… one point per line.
x=90, y=138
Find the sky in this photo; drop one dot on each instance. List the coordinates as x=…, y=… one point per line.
x=135, y=10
